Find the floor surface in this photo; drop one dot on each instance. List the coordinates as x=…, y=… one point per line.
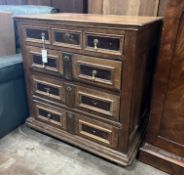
x=27, y=152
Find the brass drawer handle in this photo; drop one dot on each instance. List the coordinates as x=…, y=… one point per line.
x=94, y=73
x=95, y=42
x=94, y=131
x=49, y=115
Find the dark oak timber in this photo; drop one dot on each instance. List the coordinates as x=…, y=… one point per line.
x=90, y=93
x=164, y=145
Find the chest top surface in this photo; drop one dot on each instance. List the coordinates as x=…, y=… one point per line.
x=94, y=19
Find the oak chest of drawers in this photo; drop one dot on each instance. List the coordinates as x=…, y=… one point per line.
x=92, y=90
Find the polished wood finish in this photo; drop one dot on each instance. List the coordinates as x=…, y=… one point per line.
x=165, y=131
x=97, y=102
x=162, y=7
x=54, y=65
x=108, y=72
x=110, y=20
x=56, y=118
x=97, y=131
x=95, y=6
x=98, y=87
x=67, y=38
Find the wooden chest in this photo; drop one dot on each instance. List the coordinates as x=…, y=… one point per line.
x=93, y=89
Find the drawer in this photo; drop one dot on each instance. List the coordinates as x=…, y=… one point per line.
x=54, y=64
x=104, y=43
x=67, y=38
x=102, y=72
x=35, y=33
x=97, y=102
x=54, y=117
x=48, y=87
x=97, y=131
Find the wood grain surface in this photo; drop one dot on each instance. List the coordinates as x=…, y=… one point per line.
x=124, y=7
x=165, y=138
x=108, y=110
x=98, y=19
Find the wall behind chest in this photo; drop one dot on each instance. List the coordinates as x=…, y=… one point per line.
x=128, y=7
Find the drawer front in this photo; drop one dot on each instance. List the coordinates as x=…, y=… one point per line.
x=104, y=43
x=54, y=62
x=97, y=102
x=35, y=33
x=67, y=38
x=106, y=73
x=51, y=116
x=49, y=88
x=97, y=131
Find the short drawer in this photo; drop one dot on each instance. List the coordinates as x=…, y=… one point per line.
x=97, y=131
x=104, y=43
x=49, y=88
x=97, y=71
x=54, y=61
x=36, y=33
x=97, y=102
x=54, y=117
x=67, y=38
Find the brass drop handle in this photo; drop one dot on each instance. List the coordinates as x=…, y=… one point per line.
x=95, y=42
x=49, y=115
x=94, y=131
x=94, y=73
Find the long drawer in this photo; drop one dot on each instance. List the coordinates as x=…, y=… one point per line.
x=91, y=70
x=78, y=97
x=77, y=124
